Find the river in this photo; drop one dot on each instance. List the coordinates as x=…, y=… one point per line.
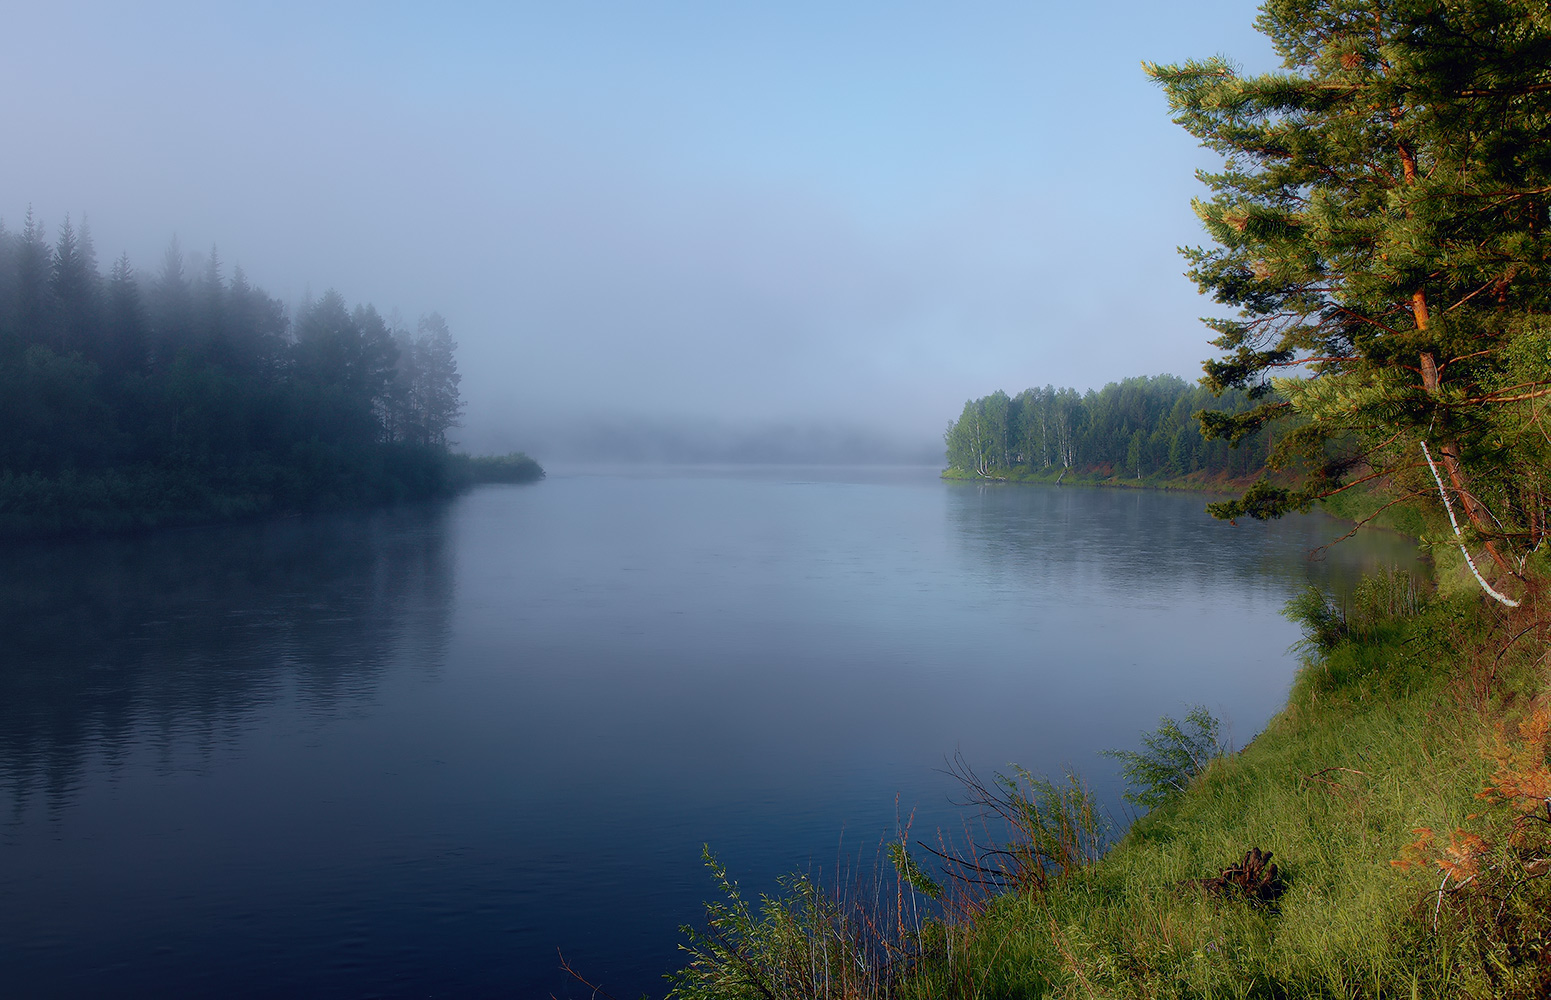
x=423, y=751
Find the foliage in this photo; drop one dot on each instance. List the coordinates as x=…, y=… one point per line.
x=1024, y=832
x=803, y=945
x=1380, y=227
x=879, y=942
x=1380, y=598
x=1493, y=895
x=908, y=869
x=1522, y=775
x=1136, y=428
x=1323, y=619
x=513, y=468
x=1170, y=758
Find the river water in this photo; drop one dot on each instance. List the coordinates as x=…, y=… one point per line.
x=424, y=751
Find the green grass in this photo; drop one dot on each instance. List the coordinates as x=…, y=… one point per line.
x=1383, y=733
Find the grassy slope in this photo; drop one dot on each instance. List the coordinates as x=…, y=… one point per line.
x=1383, y=708
x=1382, y=734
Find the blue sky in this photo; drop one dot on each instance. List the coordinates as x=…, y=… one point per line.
x=732, y=214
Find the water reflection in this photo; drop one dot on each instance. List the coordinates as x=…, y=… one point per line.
x=417, y=751
x=1111, y=537
x=174, y=643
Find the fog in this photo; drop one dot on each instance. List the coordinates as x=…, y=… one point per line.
x=685, y=231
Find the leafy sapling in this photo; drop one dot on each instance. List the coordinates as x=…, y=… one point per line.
x=1170, y=757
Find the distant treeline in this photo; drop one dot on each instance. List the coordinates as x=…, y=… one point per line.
x=131, y=401
x=1139, y=428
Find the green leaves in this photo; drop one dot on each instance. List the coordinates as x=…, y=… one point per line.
x=1262, y=501
x=908, y=869
x=1171, y=756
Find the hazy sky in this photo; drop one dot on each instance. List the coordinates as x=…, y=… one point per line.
x=712, y=213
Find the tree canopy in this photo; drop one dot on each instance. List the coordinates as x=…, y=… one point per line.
x=1379, y=229
x=1137, y=427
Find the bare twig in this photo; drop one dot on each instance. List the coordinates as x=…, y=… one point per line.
x=1320, y=551
x=597, y=991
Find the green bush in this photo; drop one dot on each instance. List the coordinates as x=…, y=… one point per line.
x=513, y=468
x=1170, y=758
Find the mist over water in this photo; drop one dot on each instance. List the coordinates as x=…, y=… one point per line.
x=741, y=216
x=416, y=751
x=667, y=440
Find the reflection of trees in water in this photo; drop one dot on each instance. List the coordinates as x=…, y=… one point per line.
x=1121, y=536
x=173, y=640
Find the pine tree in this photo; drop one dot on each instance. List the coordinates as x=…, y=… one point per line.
x=73, y=279
x=125, y=345
x=210, y=309
x=8, y=250
x=1380, y=227
x=171, y=308
x=34, y=296
x=255, y=326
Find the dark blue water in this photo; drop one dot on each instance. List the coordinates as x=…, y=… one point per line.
x=416, y=752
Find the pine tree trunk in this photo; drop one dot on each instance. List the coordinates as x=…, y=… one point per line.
x=1448, y=450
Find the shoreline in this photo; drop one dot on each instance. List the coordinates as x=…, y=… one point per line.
x=1106, y=480
x=145, y=499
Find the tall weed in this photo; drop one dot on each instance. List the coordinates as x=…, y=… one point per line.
x=810, y=942
x=1381, y=598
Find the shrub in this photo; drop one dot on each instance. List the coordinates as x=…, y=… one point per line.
x=1170, y=757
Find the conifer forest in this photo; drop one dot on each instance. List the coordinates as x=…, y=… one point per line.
x=186, y=394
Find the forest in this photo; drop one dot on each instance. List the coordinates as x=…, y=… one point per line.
x=192, y=395
x=1138, y=428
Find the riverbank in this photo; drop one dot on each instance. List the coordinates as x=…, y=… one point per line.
x=149, y=497
x=1393, y=877
x=1195, y=482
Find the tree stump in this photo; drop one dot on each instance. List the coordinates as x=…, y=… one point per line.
x=1254, y=879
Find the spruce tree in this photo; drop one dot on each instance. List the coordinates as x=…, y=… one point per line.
x=125, y=347
x=210, y=312
x=1379, y=226
x=73, y=279
x=34, y=294
x=171, y=308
